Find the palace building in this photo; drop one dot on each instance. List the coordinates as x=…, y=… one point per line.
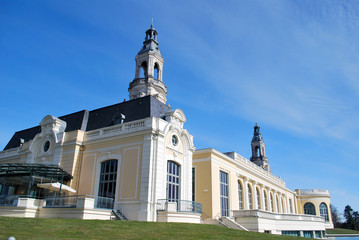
x=136, y=161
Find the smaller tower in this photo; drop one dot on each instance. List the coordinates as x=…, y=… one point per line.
x=149, y=65
x=258, y=149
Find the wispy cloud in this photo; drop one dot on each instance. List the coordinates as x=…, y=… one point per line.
x=300, y=73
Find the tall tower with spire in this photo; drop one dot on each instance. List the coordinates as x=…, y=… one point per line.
x=149, y=66
x=258, y=149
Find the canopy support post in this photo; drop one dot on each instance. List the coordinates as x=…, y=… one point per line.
x=29, y=184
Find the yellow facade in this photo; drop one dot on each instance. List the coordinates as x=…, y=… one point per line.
x=260, y=189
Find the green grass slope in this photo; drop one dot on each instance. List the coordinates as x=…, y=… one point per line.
x=35, y=228
x=341, y=231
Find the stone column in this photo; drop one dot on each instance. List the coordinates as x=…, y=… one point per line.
x=271, y=200
x=254, y=195
x=280, y=202
x=268, y=200
x=275, y=201
x=285, y=204
x=245, y=193
x=262, y=193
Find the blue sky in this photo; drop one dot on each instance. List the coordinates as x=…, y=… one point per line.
x=291, y=66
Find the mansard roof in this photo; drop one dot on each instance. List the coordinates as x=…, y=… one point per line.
x=85, y=120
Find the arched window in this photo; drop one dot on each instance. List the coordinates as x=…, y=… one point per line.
x=108, y=175
x=258, y=152
x=173, y=181
x=143, y=70
x=250, y=198
x=265, y=201
x=240, y=195
x=258, y=199
x=156, y=71
x=324, y=211
x=309, y=208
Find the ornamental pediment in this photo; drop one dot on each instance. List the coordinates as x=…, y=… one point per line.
x=176, y=117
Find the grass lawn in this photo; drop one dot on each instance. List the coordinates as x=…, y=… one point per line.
x=341, y=231
x=36, y=228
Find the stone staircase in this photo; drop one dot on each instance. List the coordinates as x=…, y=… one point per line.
x=117, y=212
x=231, y=223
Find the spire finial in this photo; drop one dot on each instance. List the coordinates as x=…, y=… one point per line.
x=152, y=22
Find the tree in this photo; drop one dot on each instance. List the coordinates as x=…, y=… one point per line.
x=356, y=220
x=348, y=215
x=335, y=216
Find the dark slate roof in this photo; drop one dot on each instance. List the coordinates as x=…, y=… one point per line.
x=85, y=120
x=26, y=134
x=133, y=110
x=74, y=121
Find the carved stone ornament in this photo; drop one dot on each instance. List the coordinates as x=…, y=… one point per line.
x=52, y=125
x=176, y=117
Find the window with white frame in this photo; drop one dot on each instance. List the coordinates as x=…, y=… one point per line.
x=283, y=205
x=240, y=195
x=224, y=193
x=173, y=181
x=108, y=175
x=324, y=211
x=309, y=208
x=265, y=201
x=272, y=202
x=250, y=200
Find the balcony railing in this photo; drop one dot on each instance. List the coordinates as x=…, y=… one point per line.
x=61, y=202
x=12, y=200
x=179, y=206
x=255, y=213
x=103, y=202
x=73, y=201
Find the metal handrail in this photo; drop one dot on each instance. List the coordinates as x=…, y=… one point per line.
x=12, y=200
x=181, y=205
x=71, y=201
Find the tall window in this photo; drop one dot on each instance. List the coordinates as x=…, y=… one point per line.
x=193, y=184
x=291, y=205
x=250, y=197
x=324, y=211
x=240, y=195
x=272, y=202
x=265, y=201
x=258, y=199
x=224, y=193
x=108, y=177
x=309, y=208
x=173, y=181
